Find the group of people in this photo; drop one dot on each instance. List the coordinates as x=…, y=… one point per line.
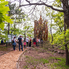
x=37, y=41
x=22, y=43
x=26, y=42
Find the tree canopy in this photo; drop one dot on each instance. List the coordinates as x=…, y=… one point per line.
x=4, y=14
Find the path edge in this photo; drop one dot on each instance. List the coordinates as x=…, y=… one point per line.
x=17, y=63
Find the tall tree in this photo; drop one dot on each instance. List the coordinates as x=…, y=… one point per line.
x=16, y=14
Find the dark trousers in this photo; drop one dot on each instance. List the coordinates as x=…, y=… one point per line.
x=29, y=44
x=14, y=47
x=21, y=46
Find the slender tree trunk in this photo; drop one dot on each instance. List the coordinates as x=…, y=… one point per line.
x=51, y=32
x=8, y=27
x=25, y=36
x=14, y=26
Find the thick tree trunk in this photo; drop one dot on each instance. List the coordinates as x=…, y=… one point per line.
x=67, y=55
x=66, y=25
x=66, y=48
x=66, y=13
x=66, y=19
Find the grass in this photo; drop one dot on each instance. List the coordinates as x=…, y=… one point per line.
x=34, y=61
x=25, y=67
x=27, y=56
x=43, y=60
x=52, y=62
x=60, y=64
x=4, y=48
x=55, y=58
x=40, y=50
x=31, y=60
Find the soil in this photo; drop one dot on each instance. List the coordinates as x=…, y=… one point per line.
x=34, y=58
x=9, y=57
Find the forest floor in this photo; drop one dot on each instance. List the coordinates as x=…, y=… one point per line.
x=42, y=58
x=9, y=57
x=32, y=58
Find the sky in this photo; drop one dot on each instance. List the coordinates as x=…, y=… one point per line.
x=33, y=14
x=27, y=9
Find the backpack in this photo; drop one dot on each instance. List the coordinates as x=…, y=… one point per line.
x=12, y=41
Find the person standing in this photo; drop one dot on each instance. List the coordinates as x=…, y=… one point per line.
x=24, y=44
x=27, y=40
x=30, y=42
x=34, y=42
x=41, y=41
x=20, y=43
x=2, y=41
x=14, y=43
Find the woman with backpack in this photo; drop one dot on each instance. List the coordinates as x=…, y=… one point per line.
x=14, y=43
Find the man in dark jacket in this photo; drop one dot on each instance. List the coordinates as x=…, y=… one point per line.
x=20, y=43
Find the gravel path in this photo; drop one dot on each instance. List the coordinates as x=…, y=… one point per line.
x=9, y=60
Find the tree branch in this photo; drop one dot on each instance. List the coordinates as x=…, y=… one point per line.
x=28, y=1
x=42, y=4
x=33, y=10
x=66, y=43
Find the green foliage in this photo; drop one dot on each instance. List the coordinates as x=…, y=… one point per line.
x=3, y=35
x=43, y=60
x=28, y=29
x=16, y=31
x=57, y=25
x=58, y=38
x=60, y=64
x=58, y=21
x=4, y=14
x=57, y=3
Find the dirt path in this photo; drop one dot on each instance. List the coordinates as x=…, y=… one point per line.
x=8, y=60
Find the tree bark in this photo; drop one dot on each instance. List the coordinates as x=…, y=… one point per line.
x=8, y=27
x=66, y=48
x=67, y=55
x=66, y=13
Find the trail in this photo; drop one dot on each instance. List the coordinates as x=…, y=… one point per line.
x=8, y=60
